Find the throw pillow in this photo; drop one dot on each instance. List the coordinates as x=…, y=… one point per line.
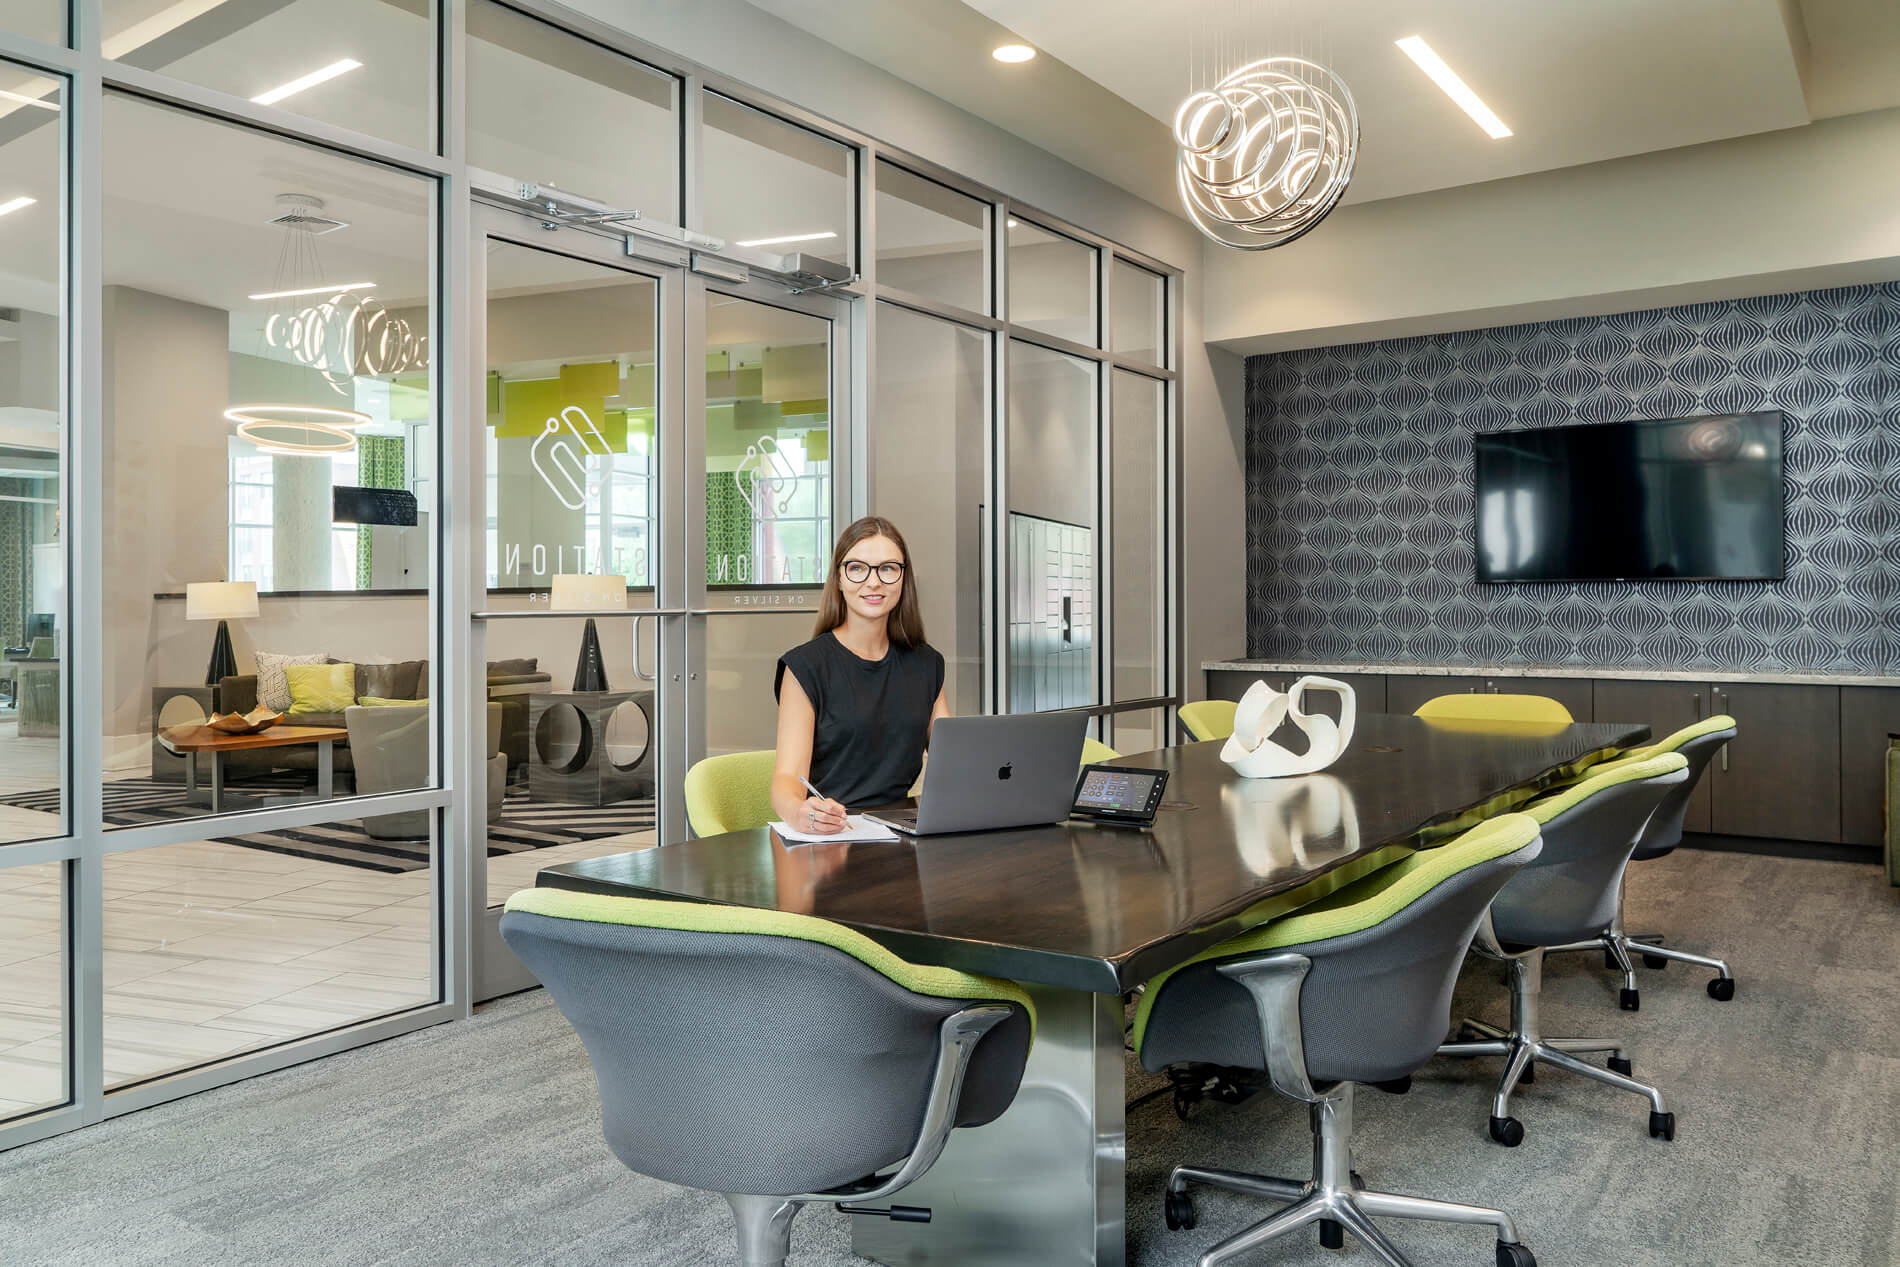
x=388, y=681
x=320, y=688
x=375, y=701
x=273, y=690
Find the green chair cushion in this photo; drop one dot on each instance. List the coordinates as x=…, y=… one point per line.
x=1598, y=777
x=1365, y=902
x=707, y=917
x=730, y=792
x=1673, y=743
x=1209, y=718
x=1094, y=750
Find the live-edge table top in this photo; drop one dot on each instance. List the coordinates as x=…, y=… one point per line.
x=1102, y=909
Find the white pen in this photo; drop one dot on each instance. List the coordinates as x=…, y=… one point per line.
x=814, y=791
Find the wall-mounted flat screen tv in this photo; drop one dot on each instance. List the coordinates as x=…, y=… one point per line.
x=1674, y=499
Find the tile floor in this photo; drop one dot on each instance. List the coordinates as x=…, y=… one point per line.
x=212, y=949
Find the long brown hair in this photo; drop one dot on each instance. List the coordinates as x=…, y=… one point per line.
x=906, y=623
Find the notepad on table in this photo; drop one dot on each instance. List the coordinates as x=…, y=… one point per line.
x=856, y=827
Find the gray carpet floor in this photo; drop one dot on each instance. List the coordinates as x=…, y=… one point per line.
x=479, y=1142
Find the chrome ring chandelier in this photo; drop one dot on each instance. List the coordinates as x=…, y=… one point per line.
x=1267, y=152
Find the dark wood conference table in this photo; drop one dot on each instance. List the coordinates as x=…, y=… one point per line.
x=1082, y=914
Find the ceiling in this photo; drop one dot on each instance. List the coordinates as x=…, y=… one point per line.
x=1578, y=81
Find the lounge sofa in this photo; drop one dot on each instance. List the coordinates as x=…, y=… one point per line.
x=510, y=683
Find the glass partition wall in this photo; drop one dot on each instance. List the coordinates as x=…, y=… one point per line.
x=388, y=511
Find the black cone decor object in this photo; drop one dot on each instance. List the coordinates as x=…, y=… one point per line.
x=590, y=674
x=223, y=658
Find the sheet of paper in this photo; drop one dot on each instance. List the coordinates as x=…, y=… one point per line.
x=856, y=827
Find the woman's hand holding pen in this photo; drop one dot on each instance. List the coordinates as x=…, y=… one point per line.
x=822, y=814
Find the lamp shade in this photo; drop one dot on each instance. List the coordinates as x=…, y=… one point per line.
x=580, y=592
x=220, y=600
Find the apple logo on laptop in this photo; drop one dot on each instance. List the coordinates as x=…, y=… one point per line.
x=1002, y=771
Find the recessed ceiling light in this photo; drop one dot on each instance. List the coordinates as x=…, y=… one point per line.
x=1013, y=53
x=1455, y=88
x=311, y=80
x=14, y=204
x=337, y=289
x=1012, y=224
x=25, y=100
x=793, y=237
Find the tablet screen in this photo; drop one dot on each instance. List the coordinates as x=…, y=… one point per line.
x=1125, y=791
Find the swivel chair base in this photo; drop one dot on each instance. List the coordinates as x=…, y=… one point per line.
x=1524, y=1046
x=1616, y=946
x=1335, y=1198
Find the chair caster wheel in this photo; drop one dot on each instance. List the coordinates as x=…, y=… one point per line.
x=1529, y=1075
x=1177, y=1208
x=1509, y=1132
x=1512, y=1254
x=1620, y=1064
x=1331, y=1235
x=1655, y=961
x=1722, y=989
x=1629, y=1000
x=1357, y=1181
x=1662, y=1126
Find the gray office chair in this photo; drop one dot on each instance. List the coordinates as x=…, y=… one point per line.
x=773, y=1058
x=1698, y=745
x=1355, y=988
x=1570, y=891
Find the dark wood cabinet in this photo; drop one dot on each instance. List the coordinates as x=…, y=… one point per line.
x=1404, y=693
x=1807, y=763
x=1868, y=715
x=1781, y=774
x=1667, y=707
x=1368, y=687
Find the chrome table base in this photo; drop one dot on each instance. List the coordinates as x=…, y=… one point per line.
x=1042, y=1185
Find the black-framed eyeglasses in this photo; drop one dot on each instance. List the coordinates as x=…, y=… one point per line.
x=857, y=571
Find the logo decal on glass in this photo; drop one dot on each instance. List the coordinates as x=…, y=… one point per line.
x=561, y=466
x=765, y=468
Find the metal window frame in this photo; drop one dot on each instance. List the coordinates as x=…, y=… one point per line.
x=458, y=542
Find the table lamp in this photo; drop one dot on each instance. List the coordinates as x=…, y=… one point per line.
x=581, y=592
x=221, y=601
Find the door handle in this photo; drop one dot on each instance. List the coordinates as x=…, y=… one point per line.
x=1697, y=697
x=638, y=671
x=1721, y=702
x=1067, y=625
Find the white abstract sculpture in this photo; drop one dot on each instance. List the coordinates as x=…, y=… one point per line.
x=1251, y=751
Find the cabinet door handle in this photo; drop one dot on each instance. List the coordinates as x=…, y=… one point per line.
x=1722, y=703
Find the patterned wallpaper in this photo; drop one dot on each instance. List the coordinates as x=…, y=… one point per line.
x=1359, y=503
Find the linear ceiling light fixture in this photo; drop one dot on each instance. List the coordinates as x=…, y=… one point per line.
x=311, y=80
x=14, y=204
x=337, y=289
x=1455, y=88
x=793, y=237
x=1013, y=53
x=25, y=100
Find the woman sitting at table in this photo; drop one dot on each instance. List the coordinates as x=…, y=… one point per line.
x=854, y=711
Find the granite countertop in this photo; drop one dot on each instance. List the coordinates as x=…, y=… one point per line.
x=1640, y=672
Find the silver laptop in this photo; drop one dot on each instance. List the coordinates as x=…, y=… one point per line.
x=992, y=772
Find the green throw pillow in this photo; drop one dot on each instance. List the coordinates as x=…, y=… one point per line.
x=320, y=688
x=378, y=701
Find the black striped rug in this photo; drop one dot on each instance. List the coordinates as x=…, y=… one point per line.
x=524, y=824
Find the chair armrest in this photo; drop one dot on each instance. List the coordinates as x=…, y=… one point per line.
x=238, y=694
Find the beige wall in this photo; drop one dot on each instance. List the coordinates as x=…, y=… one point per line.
x=166, y=485
x=1780, y=211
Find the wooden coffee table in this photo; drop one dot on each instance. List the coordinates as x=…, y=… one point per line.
x=199, y=737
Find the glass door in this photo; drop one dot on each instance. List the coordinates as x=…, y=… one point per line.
x=769, y=440
x=569, y=438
